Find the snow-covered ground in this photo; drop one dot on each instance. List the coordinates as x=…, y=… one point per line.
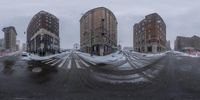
x=114, y=79
x=150, y=54
x=108, y=59
x=11, y=54
x=186, y=54
x=38, y=58
x=140, y=59
x=124, y=61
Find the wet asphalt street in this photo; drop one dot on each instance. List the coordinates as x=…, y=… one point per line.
x=179, y=79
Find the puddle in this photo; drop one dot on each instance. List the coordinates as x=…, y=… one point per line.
x=37, y=70
x=8, y=67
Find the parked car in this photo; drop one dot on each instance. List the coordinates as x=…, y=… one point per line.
x=24, y=54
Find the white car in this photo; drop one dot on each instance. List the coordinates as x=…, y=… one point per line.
x=25, y=56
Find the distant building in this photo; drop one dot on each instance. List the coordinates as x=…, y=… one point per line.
x=17, y=45
x=1, y=44
x=76, y=46
x=168, y=45
x=128, y=48
x=10, y=38
x=150, y=34
x=24, y=47
x=98, y=32
x=43, y=34
x=182, y=43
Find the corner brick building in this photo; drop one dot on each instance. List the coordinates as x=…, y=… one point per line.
x=98, y=31
x=43, y=34
x=10, y=38
x=150, y=34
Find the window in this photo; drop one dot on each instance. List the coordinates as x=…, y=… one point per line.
x=149, y=21
x=149, y=49
x=142, y=28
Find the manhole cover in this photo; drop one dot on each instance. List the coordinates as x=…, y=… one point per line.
x=37, y=69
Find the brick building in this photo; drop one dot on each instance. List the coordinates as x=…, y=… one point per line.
x=10, y=38
x=98, y=32
x=150, y=34
x=43, y=34
x=182, y=43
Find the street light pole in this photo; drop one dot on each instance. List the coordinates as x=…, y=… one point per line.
x=91, y=42
x=102, y=22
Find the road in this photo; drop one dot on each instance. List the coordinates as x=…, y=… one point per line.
x=76, y=79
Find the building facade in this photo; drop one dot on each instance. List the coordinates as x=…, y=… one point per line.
x=168, y=45
x=150, y=34
x=182, y=43
x=24, y=47
x=2, y=44
x=98, y=32
x=128, y=48
x=43, y=34
x=18, y=45
x=10, y=38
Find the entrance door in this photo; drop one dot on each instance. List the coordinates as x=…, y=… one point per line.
x=101, y=51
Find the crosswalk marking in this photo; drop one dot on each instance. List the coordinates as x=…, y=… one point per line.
x=92, y=62
x=84, y=63
x=64, y=60
x=69, y=64
x=51, y=61
x=77, y=64
x=47, y=60
x=56, y=62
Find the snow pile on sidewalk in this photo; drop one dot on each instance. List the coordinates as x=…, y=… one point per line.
x=36, y=57
x=108, y=59
x=186, y=54
x=150, y=54
x=11, y=54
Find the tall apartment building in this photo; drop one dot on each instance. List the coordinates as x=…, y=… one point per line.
x=150, y=34
x=182, y=43
x=43, y=34
x=10, y=38
x=98, y=32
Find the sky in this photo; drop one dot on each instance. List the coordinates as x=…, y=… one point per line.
x=182, y=17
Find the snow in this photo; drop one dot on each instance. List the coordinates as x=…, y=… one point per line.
x=133, y=78
x=150, y=54
x=25, y=58
x=39, y=58
x=125, y=66
x=186, y=54
x=135, y=60
x=11, y=54
x=36, y=69
x=108, y=59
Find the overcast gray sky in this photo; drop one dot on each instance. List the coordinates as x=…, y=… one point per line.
x=182, y=17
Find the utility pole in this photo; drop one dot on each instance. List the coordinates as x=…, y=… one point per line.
x=102, y=22
x=91, y=43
